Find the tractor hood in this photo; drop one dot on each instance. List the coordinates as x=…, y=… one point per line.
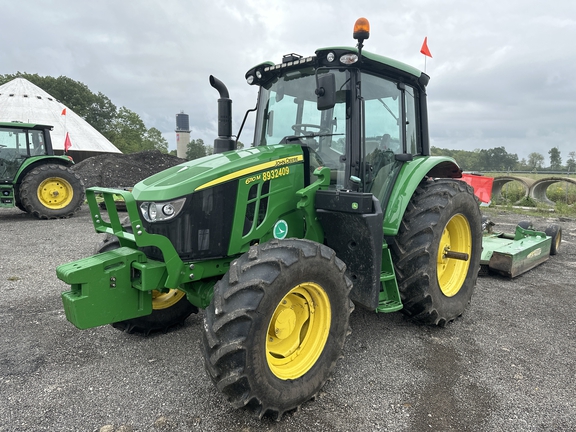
x=208, y=171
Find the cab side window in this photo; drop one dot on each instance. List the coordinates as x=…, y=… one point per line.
x=412, y=140
x=37, y=146
x=382, y=115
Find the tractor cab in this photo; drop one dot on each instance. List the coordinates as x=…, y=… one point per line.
x=359, y=114
x=18, y=142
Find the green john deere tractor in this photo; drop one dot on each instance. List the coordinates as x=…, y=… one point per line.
x=32, y=178
x=337, y=203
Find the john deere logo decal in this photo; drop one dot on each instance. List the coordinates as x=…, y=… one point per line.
x=280, y=229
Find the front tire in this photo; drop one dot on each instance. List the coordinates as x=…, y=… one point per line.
x=276, y=325
x=442, y=218
x=52, y=191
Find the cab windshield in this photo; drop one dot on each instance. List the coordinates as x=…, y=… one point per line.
x=15, y=146
x=373, y=120
x=289, y=115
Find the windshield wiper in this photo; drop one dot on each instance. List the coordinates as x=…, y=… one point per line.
x=290, y=138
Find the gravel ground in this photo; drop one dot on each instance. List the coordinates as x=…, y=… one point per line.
x=506, y=365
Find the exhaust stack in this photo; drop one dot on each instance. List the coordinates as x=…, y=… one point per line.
x=224, y=142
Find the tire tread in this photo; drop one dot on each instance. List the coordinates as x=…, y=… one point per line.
x=235, y=308
x=412, y=249
x=30, y=183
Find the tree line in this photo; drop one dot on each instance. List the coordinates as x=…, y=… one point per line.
x=126, y=130
x=498, y=159
x=197, y=149
x=121, y=126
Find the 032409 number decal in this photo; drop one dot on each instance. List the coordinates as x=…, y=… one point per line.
x=269, y=175
x=275, y=173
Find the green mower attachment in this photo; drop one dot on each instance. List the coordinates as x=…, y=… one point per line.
x=513, y=254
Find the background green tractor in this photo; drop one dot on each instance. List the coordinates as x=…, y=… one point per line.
x=337, y=203
x=32, y=178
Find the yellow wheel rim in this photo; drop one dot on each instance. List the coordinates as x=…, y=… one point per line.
x=558, y=240
x=298, y=331
x=162, y=300
x=55, y=193
x=451, y=272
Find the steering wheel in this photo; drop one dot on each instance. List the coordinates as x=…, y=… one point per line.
x=302, y=127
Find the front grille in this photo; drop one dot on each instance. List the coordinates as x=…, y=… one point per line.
x=202, y=229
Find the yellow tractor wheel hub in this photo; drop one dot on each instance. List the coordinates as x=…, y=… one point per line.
x=55, y=193
x=451, y=272
x=298, y=331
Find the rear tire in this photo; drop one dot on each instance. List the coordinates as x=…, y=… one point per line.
x=52, y=191
x=276, y=325
x=525, y=224
x=442, y=215
x=169, y=309
x=555, y=232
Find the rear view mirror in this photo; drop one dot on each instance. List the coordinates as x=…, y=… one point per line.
x=326, y=91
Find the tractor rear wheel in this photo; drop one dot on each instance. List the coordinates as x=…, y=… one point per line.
x=437, y=251
x=276, y=325
x=52, y=191
x=169, y=309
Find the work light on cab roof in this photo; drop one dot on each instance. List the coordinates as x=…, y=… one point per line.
x=263, y=72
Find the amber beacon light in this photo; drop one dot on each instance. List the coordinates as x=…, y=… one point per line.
x=361, y=30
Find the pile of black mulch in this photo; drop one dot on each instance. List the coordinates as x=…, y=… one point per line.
x=116, y=170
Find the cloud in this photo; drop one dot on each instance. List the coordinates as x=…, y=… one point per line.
x=501, y=72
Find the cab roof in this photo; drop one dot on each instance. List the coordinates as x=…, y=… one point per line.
x=21, y=125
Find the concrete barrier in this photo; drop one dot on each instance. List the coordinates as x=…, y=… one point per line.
x=539, y=188
x=499, y=182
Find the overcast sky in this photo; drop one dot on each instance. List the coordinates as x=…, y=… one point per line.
x=502, y=74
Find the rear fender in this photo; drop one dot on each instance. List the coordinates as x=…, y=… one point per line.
x=410, y=176
x=32, y=162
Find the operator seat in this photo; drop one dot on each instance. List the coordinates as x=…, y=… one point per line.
x=380, y=182
x=382, y=160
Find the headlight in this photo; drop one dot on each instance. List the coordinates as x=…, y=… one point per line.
x=161, y=211
x=349, y=58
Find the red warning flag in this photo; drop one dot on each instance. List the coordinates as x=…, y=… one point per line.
x=67, y=143
x=482, y=186
x=424, y=50
x=63, y=112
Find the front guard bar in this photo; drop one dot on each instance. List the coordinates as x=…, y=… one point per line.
x=138, y=237
x=117, y=285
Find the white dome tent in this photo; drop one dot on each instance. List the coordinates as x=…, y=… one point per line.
x=20, y=100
